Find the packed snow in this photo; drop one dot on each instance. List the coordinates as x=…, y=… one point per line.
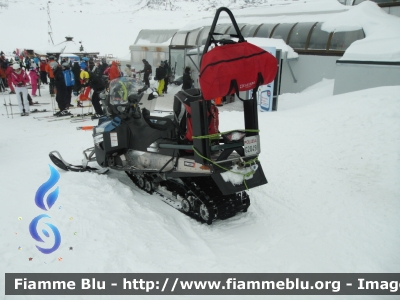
x=332, y=163
x=331, y=204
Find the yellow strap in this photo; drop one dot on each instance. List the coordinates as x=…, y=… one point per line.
x=223, y=168
x=219, y=134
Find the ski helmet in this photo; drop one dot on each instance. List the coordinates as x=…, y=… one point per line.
x=16, y=66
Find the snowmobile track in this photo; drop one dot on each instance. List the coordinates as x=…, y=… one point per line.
x=199, y=199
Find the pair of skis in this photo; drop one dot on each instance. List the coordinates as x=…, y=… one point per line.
x=34, y=111
x=53, y=118
x=34, y=103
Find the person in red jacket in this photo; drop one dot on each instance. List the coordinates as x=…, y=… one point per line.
x=9, y=72
x=114, y=71
x=19, y=79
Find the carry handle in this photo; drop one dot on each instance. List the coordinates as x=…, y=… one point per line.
x=210, y=38
x=234, y=86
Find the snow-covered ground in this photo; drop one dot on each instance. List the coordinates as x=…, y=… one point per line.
x=331, y=204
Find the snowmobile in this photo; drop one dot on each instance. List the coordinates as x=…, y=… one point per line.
x=204, y=174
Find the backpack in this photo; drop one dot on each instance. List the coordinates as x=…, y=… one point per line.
x=69, y=77
x=233, y=68
x=182, y=112
x=96, y=80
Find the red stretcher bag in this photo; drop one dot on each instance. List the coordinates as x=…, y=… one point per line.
x=233, y=68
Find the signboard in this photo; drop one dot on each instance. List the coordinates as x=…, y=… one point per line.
x=265, y=92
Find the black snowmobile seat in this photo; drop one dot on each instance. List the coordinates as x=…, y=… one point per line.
x=160, y=123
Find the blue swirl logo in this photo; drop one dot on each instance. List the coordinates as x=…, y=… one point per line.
x=41, y=203
x=45, y=187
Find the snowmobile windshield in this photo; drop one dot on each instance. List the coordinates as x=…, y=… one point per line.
x=121, y=88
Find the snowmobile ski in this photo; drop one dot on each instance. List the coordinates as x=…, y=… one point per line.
x=57, y=159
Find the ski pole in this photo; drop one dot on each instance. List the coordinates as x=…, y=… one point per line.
x=22, y=101
x=6, y=106
x=40, y=95
x=9, y=100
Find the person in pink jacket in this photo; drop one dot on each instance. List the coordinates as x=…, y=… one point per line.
x=33, y=74
x=9, y=72
x=19, y=79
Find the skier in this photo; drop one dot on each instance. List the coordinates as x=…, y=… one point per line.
x=34, y=79
x=103, y=66
x=51, y=65
x=76, y=69
x=27, y=63
x=187, y=79
x=168, y=72
x=61, y=95
x=91, y=63
x=97, y=85
x=128, y=71
x=43, y=74
x=69, y=85
x=19, y=79
x=9, y=72
x=147, y=71
x=114, y=71
x=160, y=76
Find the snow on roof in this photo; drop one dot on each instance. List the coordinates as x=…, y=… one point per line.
x=382, y=32
x=382, y=41
x=307, y=11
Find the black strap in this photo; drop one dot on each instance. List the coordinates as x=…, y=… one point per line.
x=234, y=86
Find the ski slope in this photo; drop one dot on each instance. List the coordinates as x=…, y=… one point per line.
x=331, y=204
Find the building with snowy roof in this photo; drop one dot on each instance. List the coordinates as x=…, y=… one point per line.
x=357, y=43
x=69, y=49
